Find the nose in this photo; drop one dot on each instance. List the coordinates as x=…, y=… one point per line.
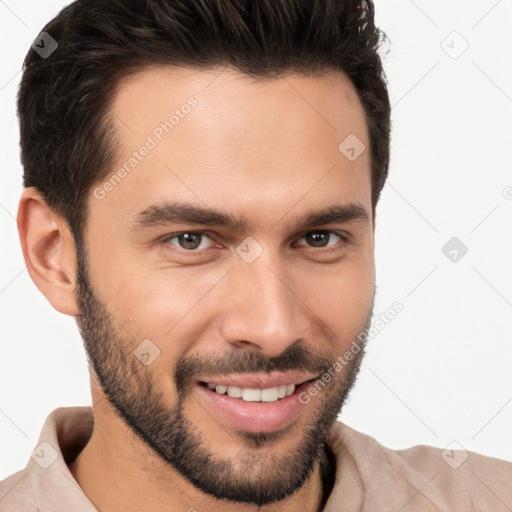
x=263, y=311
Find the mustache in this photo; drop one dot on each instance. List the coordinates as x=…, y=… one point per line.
x=295, y=357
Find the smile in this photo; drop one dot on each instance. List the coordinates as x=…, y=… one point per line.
x=253, y=394
x=253, y=408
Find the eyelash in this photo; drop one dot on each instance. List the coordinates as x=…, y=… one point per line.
x=166, y=241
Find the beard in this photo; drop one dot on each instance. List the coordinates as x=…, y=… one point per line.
x=255, y=476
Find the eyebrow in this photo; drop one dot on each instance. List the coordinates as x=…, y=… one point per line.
x=183, y=213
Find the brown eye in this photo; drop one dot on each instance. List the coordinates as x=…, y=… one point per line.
x=189, y=241
x=320, y=239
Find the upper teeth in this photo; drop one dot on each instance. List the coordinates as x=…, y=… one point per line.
x=254, y=395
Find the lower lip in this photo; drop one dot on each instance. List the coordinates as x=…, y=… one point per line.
x=255, y=416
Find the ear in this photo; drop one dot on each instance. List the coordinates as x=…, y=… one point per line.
x=49, y=251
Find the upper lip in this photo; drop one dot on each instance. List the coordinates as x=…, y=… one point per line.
x=260, y=381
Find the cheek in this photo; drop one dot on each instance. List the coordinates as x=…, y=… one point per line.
x=165, y=305
x=346, y=300
x=342, y=299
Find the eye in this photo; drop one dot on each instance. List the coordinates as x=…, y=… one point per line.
x=320, y=239
x=197, y=241
x=189, y=241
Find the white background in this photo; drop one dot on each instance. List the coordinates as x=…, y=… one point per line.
x=441, y=370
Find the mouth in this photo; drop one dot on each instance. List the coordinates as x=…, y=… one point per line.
x=253, y=409
x=250, y=394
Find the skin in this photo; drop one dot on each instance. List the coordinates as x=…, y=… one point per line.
x=265, y=151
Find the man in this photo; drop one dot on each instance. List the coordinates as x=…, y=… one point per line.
x=201, y=183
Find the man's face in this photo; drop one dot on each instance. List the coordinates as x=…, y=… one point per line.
x=165, y=310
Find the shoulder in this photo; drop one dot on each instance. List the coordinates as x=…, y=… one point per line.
x=42, y=483
x=439, y=478
x=16, y=493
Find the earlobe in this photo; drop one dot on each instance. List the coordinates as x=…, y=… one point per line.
x=49, y=251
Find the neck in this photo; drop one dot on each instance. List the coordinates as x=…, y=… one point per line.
x=118, y=471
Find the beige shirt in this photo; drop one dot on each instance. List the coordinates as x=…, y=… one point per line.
x=369, y=476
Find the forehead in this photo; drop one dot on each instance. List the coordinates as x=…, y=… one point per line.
x=220, y=137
